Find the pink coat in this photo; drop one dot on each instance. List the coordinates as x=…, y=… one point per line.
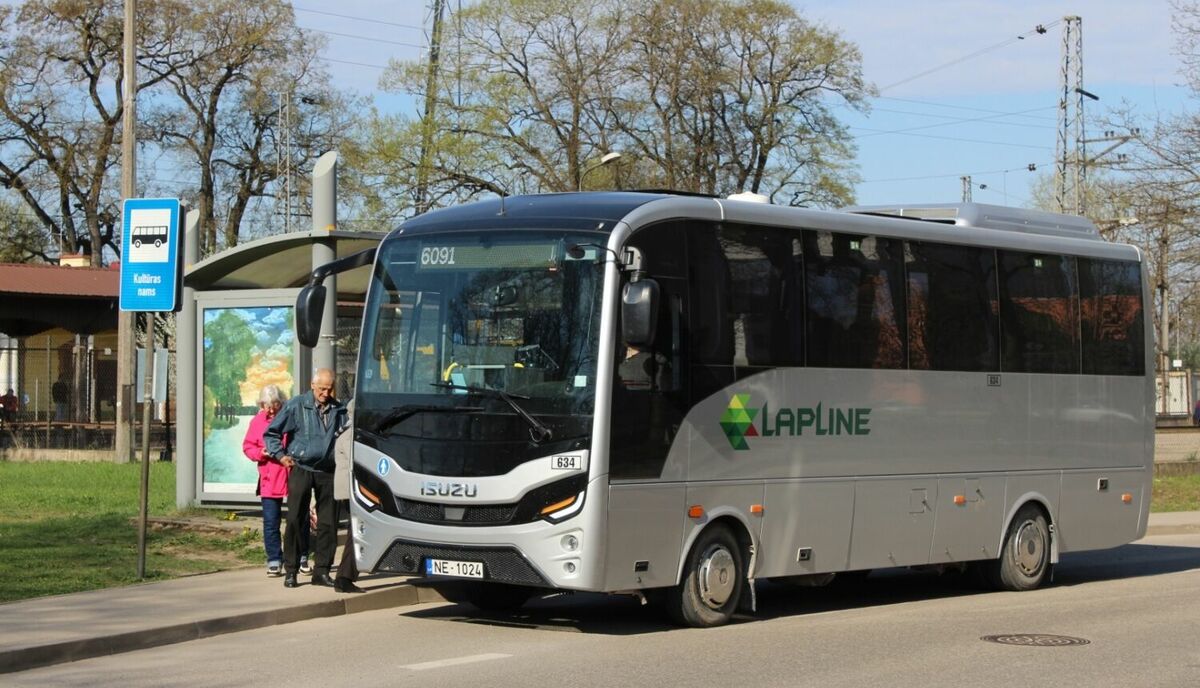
x=272, y=475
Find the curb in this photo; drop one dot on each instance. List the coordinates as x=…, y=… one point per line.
x=400, y=595
x=1173, y=530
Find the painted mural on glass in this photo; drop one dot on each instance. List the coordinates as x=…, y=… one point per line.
x=244, y=349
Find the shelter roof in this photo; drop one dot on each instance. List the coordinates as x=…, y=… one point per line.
x=280, y=261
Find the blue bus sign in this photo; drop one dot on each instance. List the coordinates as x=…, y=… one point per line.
x=150, y=254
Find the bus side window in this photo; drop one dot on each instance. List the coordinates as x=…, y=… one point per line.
x=854, y=287
x=1039, y=313
x=1111, y=313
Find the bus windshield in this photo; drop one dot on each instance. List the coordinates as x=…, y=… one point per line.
x=479, y=349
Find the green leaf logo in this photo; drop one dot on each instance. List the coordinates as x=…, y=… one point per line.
x=738, y=421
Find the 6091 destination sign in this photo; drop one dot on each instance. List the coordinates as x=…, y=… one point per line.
x=474, y=257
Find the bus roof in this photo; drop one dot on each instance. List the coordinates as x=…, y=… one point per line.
x=987, y=216
x=968, y=223
x=590, y=209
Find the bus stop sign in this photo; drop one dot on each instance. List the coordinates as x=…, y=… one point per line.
x=150, y=254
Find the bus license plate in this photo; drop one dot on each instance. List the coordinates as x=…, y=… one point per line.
x=458, y=569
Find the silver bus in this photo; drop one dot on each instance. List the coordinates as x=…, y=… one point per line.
x=675, y=396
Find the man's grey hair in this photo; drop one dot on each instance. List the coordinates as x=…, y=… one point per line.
x=270, y=394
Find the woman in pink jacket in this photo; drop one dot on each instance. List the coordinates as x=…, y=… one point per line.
x=272, y=480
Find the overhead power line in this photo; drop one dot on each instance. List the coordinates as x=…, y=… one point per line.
x=992, y=119
x=1038, y=30
x=955, y=175
x=972, y=120
x=355, y=64
x=952, y=106
x=362, y=38
x=369, y=20
x=947, y=138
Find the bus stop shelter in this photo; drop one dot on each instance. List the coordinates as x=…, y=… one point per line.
x=236, y=334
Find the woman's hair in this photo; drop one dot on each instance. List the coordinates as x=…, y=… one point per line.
x=270, y=394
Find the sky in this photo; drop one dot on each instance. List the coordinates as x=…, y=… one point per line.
x=960, y=94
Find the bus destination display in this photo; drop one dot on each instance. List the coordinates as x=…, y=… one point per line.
x=474, y=257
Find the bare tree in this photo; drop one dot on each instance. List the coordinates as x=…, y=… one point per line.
x=61, y=110
x=699, y=95
x=735, y=95
x=252, y=85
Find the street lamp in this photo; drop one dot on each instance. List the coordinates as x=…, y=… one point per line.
x=604, y=160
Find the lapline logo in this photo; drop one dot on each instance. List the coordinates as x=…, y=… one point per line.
x=738, y=421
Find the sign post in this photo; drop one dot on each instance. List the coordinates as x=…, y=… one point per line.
x=150, y=283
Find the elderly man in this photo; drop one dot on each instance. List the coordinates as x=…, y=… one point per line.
x=301, y=437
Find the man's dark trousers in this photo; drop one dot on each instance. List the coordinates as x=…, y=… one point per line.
x=301, y=484
x=348, y=567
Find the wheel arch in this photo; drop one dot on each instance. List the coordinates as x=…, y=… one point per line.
x=737, y=523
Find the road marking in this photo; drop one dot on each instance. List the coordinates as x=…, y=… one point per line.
x=454, y=662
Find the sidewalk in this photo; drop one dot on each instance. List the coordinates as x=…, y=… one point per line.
x=65, y=628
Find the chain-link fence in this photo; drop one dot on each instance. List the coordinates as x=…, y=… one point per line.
x=59, y=391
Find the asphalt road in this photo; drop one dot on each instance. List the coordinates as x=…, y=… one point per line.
x=1137, y=606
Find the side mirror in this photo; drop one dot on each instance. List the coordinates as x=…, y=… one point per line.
x=639, y=312
x=310, y=306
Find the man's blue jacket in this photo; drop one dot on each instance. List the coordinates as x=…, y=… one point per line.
x=309, y=442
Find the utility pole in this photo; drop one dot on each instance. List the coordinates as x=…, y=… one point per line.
x=427, y=120
x=966, y=188
x=1070, y=174
x=123, y=435
x=286, y=107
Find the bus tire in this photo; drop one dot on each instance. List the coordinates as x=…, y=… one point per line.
x=488, y=597
x=1024, y=560
x=713, y=579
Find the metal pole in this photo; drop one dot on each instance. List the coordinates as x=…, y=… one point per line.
x=123, y=436
x=186, y=343
x=324, y=219
x=147, y=404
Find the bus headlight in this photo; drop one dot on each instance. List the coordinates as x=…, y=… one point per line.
x=564, y=508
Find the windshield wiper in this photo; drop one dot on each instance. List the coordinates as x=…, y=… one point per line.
x=538, y=432
x=399, y=413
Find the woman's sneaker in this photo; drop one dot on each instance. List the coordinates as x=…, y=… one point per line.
x=305, y=567
x=274, y=569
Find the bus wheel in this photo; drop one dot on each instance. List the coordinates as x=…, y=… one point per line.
x=712, y=583
x=1025, y=559
x=488, y=597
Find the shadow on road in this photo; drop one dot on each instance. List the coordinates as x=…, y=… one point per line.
x=625, y=615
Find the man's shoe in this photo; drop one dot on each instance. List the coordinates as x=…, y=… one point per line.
x=322, y=579
x=289, y=580
x=346, y=585
x=305, y=566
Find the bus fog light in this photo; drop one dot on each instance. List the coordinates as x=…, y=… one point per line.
x=569, y=567
x=570, y=543
x=359, y=526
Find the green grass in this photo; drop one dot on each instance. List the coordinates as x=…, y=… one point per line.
x=1176, y=493
x=68, y=527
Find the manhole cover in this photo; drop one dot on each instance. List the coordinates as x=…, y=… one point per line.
x=1035, y=639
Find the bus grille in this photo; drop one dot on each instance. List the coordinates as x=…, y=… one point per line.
x=428, y=512
x=503, y=564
